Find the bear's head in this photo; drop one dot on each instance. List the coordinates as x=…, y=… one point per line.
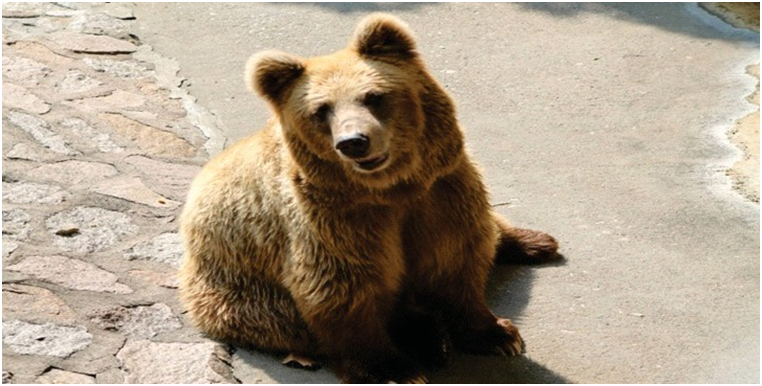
x=370, y=113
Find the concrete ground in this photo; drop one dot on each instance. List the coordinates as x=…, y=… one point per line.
x=602, y=124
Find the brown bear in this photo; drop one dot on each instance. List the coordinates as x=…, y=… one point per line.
x=354, y=228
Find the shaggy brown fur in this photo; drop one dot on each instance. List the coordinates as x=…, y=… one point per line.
x=375, y=262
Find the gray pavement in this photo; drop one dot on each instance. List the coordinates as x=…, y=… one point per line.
x=603, y=124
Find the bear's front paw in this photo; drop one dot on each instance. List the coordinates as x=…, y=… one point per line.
x=501, y=338
x=511, y=344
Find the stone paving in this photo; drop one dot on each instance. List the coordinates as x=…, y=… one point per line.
x=100, y=143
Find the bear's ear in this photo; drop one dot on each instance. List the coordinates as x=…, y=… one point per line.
x=271, y=73
x=381, y=36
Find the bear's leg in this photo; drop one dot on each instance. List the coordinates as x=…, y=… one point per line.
x=459, y=296
x=353, y=336
x=347, y=303
x=450, y=243
x=524, y=246
x=474, y=328
x=261, y=315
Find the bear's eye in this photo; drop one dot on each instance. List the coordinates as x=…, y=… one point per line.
x=321, y=113
x=373, y=99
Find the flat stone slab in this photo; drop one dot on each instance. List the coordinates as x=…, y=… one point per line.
x=99, y=24
x=70, y=273
x=134, y=190
x=141, y=322
x=58, y=376
x=16, y=224
x=119, y=68
x=25, y=10
x=30, y=152
x=176, y=176
x=144, y=361
x=36, y=304
x=86, y=230
x=117, y=100
x=40, y=131
x=166, y=280
x=28, y=193
x=99, y=140
x=166, y=248
x=8, y=248
x=18, y=97
x=150, y=139
x=46, y=339
x=92, y=44
x=74, y=172
x=119, y=12
x=24, y=71
x=77, y=81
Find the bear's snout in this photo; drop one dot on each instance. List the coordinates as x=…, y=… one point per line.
x=360, y=140
x=354, y=145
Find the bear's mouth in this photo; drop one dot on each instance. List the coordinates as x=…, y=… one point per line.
x=372, y=163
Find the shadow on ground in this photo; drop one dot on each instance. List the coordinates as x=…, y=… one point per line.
x=481, y=369
x=363, y=8
x=660, y=15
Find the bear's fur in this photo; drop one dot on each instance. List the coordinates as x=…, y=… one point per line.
x=354, y=228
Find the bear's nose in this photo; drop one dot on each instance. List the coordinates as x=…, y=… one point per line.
x=353, y=145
